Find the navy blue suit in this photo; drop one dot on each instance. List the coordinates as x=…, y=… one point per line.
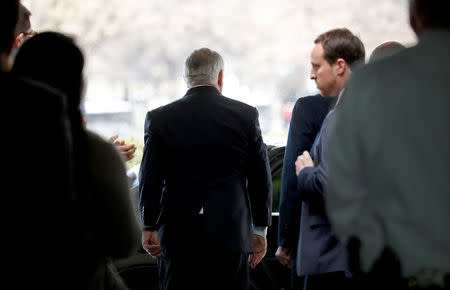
x=307, y=117
x=319, y=251
x=204, y=151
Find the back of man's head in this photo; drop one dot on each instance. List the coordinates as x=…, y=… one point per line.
x=341, y=43
x=385, y=49
x=428, y=14
x=8, y=19
x=202, y=67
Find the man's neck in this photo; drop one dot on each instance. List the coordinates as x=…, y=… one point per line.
x=206, y=85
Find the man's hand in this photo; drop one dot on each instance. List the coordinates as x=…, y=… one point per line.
x=150, y=243
x=260, y=248
x=127, y=150
x=285, y=256
x=303, y=161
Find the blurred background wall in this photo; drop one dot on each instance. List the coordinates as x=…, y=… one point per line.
x=135, y=50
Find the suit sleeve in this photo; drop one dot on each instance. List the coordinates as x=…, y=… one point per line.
x=312, y=181
x=151, y=175
x=299, y=139
x=259, y=177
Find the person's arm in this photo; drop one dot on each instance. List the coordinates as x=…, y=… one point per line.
x=110, y=182
x=151, y=176
x=312, y=177
x=300, y=138
x=259, y=190
x=259, y=177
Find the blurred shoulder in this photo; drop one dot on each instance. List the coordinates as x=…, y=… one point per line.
x=30, y=90
x=101, y=149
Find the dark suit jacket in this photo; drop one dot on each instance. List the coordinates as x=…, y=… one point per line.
x=307, y=117
x=319, y=251
x=38, y=175
x=205, y=151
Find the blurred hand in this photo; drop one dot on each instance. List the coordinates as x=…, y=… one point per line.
x=285, y=256
x=151, y=244
x=260, y=249
x=303, y=161
x=127, y=150
x=22, y=37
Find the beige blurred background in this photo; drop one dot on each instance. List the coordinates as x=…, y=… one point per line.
x=135, y=49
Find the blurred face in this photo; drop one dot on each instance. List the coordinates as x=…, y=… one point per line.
x=322, y=72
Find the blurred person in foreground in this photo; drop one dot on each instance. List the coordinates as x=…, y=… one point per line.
x=37, y=207
x=321, y=258
x=389, y=160
x=23, y=32
x=205, y=184
x=105, y=225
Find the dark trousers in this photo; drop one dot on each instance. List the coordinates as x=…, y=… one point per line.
x=204, y=271
x=332, y=280
x=296, y=282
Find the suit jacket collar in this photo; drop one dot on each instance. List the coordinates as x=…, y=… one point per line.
x=203, y=91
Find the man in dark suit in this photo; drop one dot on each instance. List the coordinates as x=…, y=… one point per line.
x=37, y=232
x=321, y=259
x=307, y=118
x=205, y=193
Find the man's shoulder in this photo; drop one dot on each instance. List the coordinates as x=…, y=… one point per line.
x=161, y=110
x=100, y=148
x=239, y=104
x=314, y=100
x=313, y=103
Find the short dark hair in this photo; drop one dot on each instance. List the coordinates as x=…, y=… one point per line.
x=9, y=10
x=341, y=43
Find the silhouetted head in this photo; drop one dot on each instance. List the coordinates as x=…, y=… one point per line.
x=385, y=49
x=54, y=59
x=425, y=14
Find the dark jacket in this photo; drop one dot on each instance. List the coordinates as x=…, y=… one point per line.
x=307, y=117
x=37, y=155
x=205, y=151
x=319, y=251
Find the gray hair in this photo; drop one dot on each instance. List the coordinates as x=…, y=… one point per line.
x=202, y=67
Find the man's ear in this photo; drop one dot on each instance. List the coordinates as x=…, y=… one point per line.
x=220, y=79
x=341, y=66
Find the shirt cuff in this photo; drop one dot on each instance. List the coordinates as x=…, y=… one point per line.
x=260, y=231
